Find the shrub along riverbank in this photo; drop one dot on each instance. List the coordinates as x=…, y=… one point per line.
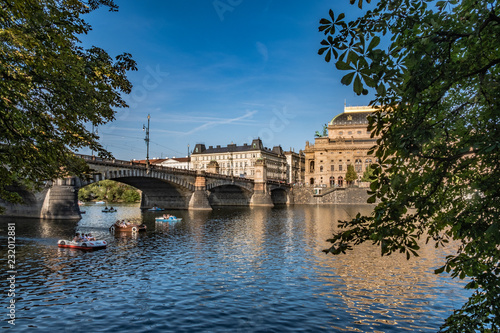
x=109, y=191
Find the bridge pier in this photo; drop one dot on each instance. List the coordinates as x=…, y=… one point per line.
x=61, y=200
x=261, y=196
x=199, y=199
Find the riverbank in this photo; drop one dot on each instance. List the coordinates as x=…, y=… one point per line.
x=329, y=196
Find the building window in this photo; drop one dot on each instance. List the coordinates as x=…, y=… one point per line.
x=321, y=169
x=332, y=167
x=332, y=181
x=311, y=181
x=311, y=166
x=340, y=181
x=358, y=165
x=340, y=167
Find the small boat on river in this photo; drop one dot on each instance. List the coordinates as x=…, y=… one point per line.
x=170, y=219
x=83, y=245
x=109, y=210
x=156, y=209
x=100, y=202
x=127, y=226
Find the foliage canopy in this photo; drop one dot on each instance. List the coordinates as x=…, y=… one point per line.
x=351, y=174
x=437, y=88
x=51, y=88
x=109, y=191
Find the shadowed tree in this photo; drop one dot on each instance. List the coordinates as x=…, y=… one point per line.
x=436, y=84
x=52, y=89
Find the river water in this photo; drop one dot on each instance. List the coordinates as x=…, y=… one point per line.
x=229, y=270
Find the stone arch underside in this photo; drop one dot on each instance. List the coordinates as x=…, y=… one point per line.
x=229, y=195
x=279, y=196
x=160, y=193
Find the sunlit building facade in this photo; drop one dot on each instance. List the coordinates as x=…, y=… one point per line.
x=348, y=142
x=234, y=160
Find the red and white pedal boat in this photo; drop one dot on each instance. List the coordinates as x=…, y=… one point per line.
x=84, y=245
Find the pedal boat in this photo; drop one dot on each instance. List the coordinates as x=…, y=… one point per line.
x=84, y=245
x=129, y=227
x=156, y=209
x=170, y=219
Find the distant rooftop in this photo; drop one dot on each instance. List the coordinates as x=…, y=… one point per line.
x=232, y=148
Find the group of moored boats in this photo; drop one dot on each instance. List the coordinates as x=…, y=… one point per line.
x=90, y=243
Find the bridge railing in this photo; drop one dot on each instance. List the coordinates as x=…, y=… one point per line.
x=133, y=165
x=142, y=166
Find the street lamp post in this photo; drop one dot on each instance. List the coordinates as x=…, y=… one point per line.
x=144, y=128
x=93, y=133
x=188, y=157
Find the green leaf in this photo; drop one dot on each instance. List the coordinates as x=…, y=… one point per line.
x=439, y=270
x=347, y=79
x=373, y=43
x=322, y=50
x=340, y=65
x=372, y=199
x=358, y=86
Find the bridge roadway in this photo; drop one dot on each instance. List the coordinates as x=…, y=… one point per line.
x=164, y=187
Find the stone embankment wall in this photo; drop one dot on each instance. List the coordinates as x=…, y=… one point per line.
x=352, y=195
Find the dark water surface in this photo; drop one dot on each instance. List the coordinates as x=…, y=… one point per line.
x=229, y=270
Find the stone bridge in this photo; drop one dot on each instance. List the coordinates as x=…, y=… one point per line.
x=164, y=187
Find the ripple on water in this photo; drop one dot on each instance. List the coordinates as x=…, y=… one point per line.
x=235, y=270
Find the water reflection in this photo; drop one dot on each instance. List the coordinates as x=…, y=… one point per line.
x=234, y=270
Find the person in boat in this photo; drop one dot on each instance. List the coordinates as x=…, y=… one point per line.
x=123, y=224
x=77, y=238
x=111, y=208
x=90, y=237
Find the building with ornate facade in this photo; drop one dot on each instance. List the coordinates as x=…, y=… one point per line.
x=234, y=160
x=295, y=166
x=347, y=142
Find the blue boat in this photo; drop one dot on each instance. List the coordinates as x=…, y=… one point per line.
x=156, y=209
x=170, y=219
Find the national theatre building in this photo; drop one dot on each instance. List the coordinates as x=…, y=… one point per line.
x=347, y=142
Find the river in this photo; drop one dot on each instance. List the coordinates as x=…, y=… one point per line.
x=228, y=270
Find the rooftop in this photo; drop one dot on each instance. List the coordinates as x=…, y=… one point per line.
x=353, y=115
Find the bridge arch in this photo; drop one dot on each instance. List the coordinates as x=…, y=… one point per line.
x=229, y=195
x=160, y=186
x=279, y=196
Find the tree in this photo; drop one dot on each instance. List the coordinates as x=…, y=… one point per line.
x=436, y=84
x=110, y=191
x=51, y=89
x=368, y=175
x=350, y=174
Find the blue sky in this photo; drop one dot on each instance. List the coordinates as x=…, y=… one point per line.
x=222, y=71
